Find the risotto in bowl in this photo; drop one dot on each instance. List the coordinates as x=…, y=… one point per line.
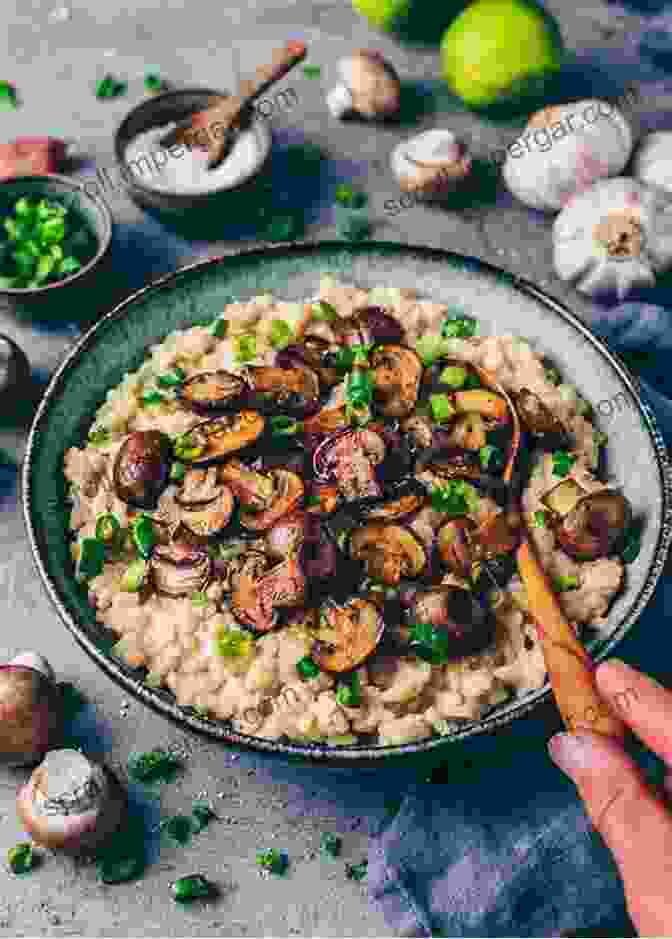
x=302, y=517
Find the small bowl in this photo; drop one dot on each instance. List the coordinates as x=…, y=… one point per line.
x=71, y=298
x=177, y=106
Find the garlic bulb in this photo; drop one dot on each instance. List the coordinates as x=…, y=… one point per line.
x=431, y=164
x=614, y=237
x=653, y=160
x=563, y=151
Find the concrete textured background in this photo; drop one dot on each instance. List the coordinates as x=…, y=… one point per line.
x=54, y=64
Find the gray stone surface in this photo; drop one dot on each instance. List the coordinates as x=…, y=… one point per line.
x=55, y=66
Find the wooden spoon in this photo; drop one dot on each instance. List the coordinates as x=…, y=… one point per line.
x=226, y=113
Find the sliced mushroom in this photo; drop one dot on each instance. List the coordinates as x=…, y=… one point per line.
x=286, y=536
x=314, y=352
x=406, y=502
x=212, y=391
x=595, y=526
x=294, y=391
x=481, y=401
x=327, y=421
x=216, y=439
x=497, y=535
x=288, y=492
x=456, y=546
x=540, y=421
x=180, y=569
x=389, y=552
x=350, y=459
x=206, y=521
x=450, y=463
x=396, y=375
x=255, y=490
x=199, y=487
x=463, y=624
x=378, y=326
x=468, y=431
x=142, y=467
x=347, y=635
x=258, y=593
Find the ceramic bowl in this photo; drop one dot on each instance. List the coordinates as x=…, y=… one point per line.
x=637, y=460
x=71, y=298
x=177, y=106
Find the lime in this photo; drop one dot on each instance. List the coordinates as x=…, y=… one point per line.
x=500, y=52
x=416, y=21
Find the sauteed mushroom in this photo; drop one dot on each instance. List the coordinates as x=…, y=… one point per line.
x=456, y=546
x=142, y=467
x=204, y=521
x=347, y=635
x=288, y=492
x=455, y=614
x=212, y=391
x=199, y=487
x=314, y=352
x=255, y=490
x=402, y=502
x=258, y=592
x=595, y=526
x=377, y=326
x=294, y=391
x=396, y=375
x=215, y=439
x=350, y=459
x=540, y=421
x=180, y=569
x=389, y=552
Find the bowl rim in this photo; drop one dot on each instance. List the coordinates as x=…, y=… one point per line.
x=104, y=243
x=147, y=104
x=355, y=753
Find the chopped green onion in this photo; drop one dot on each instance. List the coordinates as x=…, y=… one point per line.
x=110, y=87
x=457, y=497
x=312, y=71
x=354, y=227
x=344, y=194
x=143, y=535
x=107, y=527
x=99, y=436
x=152, y=398
x=174, y=377
x=429, y=348
x=312, y=500
x=90, y=560
x=220, y=327
x=430, y=644
x=245, y=348
x=330, y=844
x=324, y=312
x=273, y=861
x=134, y=576
x=552, y=375
x=154, y=83
x=357, y=871
x=454, y=376
x=359, y=388
x=233, y=643
x=563, y=462
x=349, y=693
x=566, y=582
x=442, y=408
x=118, y=869
x=283, y=426
x=193, y=887
x=21, y=858
x=199, y=599
x=280, y=334
x=185, y=448
x=177, y=472
x=178, y=827
x=344, y=358
x=307, y=668
x=459, y=327
x=156, y=765
x=492, y=458
x=601, y=438
x=540, y=519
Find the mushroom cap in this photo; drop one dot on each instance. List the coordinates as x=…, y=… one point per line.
x=70, y=802
x=30, y=714
x=373, y=83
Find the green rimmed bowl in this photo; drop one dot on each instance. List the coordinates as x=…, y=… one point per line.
x=638, y=462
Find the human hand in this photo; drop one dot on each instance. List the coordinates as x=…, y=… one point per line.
x=634, y=821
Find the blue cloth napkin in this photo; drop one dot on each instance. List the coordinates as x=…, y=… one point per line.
x=510, y=851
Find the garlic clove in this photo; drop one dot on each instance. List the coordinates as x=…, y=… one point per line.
x=36, y=661
x=70, y=802
x=339, y=101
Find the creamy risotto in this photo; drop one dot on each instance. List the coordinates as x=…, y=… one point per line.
x=303, y=517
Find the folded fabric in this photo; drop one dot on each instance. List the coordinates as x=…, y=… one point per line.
x=510, y=851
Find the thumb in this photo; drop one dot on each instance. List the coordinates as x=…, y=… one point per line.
x=632, y=820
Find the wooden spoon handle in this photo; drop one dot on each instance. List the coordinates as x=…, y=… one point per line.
x=281, y=62
x=570, y=668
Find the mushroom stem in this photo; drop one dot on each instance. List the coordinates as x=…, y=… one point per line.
x=35, y=661
x=340, y=101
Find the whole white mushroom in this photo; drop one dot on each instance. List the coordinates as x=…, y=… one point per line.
x=561, y=152
x=653, y=160
x=369, y=87
x=614, y=237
